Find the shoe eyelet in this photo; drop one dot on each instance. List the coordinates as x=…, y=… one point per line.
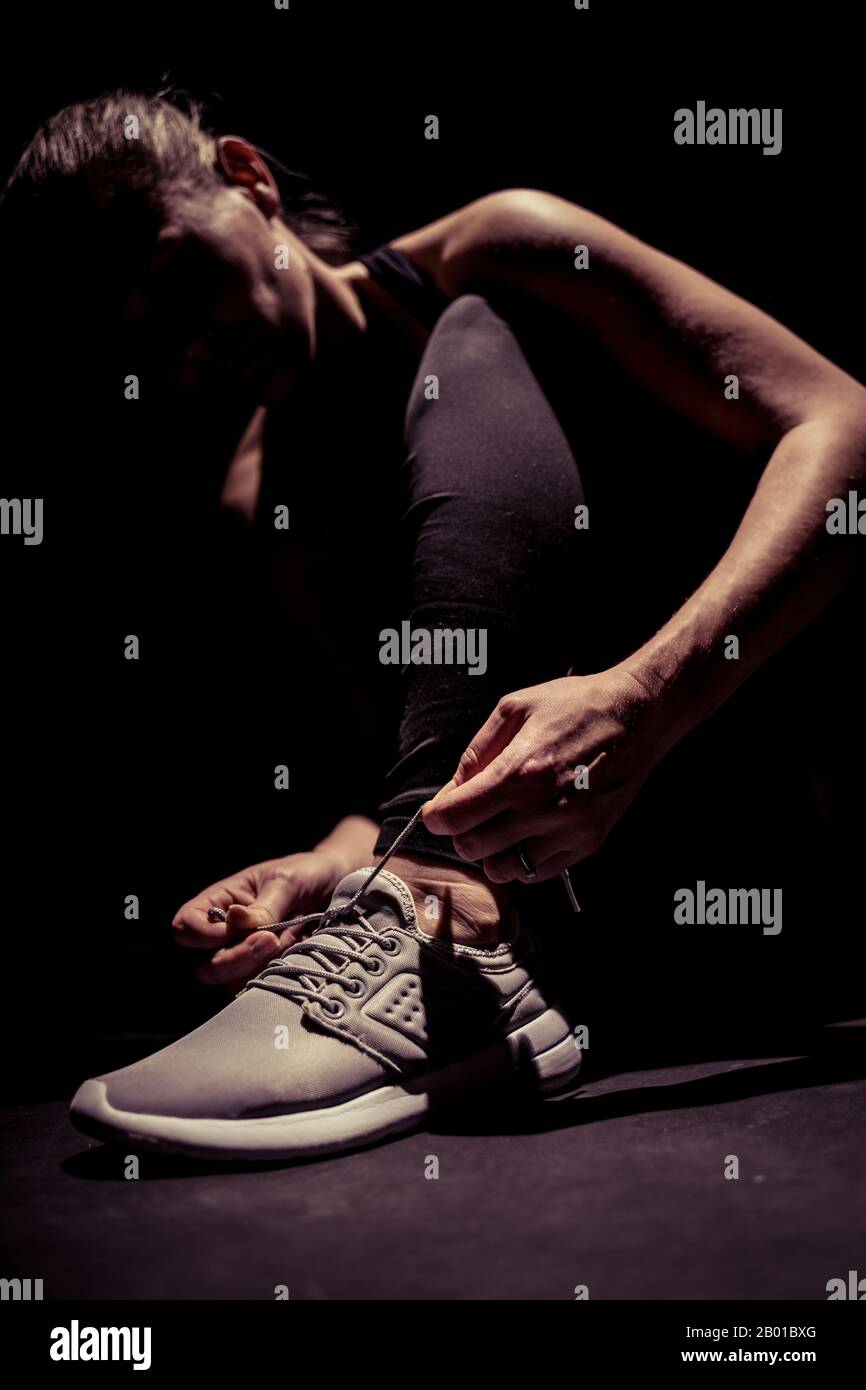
x=354, y=987
x=390, y=945
x=333, y=1008
x=373, y=965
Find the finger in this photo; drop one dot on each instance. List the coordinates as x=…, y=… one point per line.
x=191, y=925
x=553, y=866
x=547, y=855
x=508, y=867
x=500, y=833
x=276, y=900
x=457, y=809
x=232, y=965
x=493, y=736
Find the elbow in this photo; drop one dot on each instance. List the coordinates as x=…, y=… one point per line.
x=844, y=414
x=837, y=408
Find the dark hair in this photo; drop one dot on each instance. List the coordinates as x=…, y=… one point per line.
x=103, y=170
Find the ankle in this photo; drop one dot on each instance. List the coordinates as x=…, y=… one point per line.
x=454, y=903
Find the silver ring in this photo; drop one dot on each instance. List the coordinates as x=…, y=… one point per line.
x=528, y=866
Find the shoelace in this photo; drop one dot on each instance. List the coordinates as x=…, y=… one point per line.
x=333, y=948
x=284, y=966
x=290, y=974
x=216, y=914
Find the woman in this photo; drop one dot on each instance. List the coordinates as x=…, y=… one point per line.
x=524, y=770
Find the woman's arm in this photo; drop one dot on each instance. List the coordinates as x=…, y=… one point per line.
x=680, y=335
x=671, y=328
x=779, y=571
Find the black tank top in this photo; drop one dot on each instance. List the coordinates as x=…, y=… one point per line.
x=414, y=289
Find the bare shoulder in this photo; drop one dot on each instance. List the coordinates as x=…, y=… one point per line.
x=508, y=219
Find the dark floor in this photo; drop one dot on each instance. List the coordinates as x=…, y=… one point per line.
x=622, y=1189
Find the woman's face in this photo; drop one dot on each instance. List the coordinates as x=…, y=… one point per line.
x=228, y=300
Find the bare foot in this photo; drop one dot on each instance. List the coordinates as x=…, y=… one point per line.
x=452, y=902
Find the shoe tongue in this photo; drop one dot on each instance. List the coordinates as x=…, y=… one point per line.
x=386, y=902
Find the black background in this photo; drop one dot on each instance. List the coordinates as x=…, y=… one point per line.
x=157, y=779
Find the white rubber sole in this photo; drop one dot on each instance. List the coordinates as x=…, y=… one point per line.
x=536, y=1053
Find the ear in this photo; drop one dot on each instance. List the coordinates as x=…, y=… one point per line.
x=241, y=165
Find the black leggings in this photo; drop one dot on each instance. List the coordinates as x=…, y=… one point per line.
x=491, y=544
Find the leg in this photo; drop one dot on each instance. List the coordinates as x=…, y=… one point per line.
x=492, y=491
x=489, y=526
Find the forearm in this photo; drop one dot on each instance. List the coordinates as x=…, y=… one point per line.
x=351, y=840
x=780, y=570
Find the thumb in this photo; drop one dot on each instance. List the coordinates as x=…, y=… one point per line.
x=276, y=900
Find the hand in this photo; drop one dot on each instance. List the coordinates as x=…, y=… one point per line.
x=267, y=892
x=518, y=784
